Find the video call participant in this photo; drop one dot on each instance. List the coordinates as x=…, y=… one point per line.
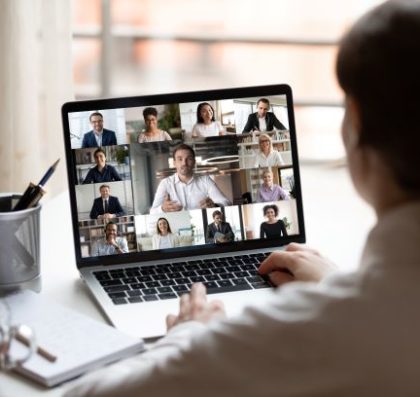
x=273, y=227
x=185, y=191
x=111, y=244
x=106, y=206
x=99, y=136
x=219, y=231
x=152, y=132
x=102, y=172
x=270, y=191
x=206, y=124
x=164, y=238
x=263, y=120
x=267, y=155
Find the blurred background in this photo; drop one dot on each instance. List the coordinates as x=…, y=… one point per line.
x=60, y=50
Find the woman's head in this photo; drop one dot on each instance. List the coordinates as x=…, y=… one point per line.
x=150, y=118
x=205, y=113
x=162, y=226
x=379, y=73
x=266, y=146
x=267, y=177
x=271, y=211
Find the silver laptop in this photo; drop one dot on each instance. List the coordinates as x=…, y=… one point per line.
x=168, y=190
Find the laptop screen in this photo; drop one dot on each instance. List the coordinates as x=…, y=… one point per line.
x=174, y=175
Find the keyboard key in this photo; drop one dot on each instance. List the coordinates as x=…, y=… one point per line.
x=143, y=279
x=239, y=281
x=231, y=288
x=197, y=279
x=117, y=288
x=164, y=290
x=135, y=292
x=135, y=299
x=158, y=277
x=182, y=280
x=169, y=295
x=152, y=284
x=119, y=301
x=116, y=295
x=180, y=288
x=149, y=291
x=129, y=280
x=210, y=284
x=261, y=285
x=168, y=282
x=137, y=286
x=212, y=277
x=224, y=283
x=255, y=279
x=226, y=276
x=149, y=298
x=108, y=283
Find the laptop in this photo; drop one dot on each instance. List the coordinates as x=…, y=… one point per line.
x=171, y=189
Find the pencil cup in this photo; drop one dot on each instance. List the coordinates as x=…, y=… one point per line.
x=19, y=246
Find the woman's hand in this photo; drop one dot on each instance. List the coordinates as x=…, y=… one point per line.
x=297, y=263
x=194, y=306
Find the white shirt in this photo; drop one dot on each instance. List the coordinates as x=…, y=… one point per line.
x=351, y=335
x=188, y=194
x=98, y=137
x=169, y=241
x=161, y=136
x=101, y=247
x=204, y=130
x=273, y=159
x=262, y=124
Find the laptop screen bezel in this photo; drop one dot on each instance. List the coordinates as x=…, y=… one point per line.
x=180, y=97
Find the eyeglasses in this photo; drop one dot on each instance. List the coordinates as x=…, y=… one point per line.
x=17, y=342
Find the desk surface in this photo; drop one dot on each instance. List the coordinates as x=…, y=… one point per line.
x=336, y=220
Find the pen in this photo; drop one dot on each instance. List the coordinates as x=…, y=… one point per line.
x=47, y=175
x=41, y=351
x=33, y=193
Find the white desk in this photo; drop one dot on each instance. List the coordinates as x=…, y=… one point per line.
x=337, y=222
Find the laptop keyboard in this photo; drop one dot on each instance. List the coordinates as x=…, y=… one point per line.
x=169, y=281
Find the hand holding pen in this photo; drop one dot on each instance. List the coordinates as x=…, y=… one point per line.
x=34, y=193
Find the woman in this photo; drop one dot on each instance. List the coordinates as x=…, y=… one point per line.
x=164, y=237
x=206, y=123
x=267, y=156
x=273, y=228
x=152, y=132
x=269, y=191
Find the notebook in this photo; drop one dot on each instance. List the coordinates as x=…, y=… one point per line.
x=79, y=343
x=150, y=177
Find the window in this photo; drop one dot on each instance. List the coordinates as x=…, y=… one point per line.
x=132, y=47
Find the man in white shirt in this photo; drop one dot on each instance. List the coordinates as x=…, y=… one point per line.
x=111, y=244
x=184, y=190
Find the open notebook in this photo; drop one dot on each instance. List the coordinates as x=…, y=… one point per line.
x=80, y=343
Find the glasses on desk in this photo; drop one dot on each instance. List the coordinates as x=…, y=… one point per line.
x=17, y=342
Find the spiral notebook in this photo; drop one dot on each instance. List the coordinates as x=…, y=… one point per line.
x=79, y=343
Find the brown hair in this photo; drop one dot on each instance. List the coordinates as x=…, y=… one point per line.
x=377, y=66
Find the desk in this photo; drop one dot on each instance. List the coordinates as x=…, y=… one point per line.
x=337, y=222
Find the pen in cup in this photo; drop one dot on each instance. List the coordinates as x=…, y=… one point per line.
x=34, y=193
